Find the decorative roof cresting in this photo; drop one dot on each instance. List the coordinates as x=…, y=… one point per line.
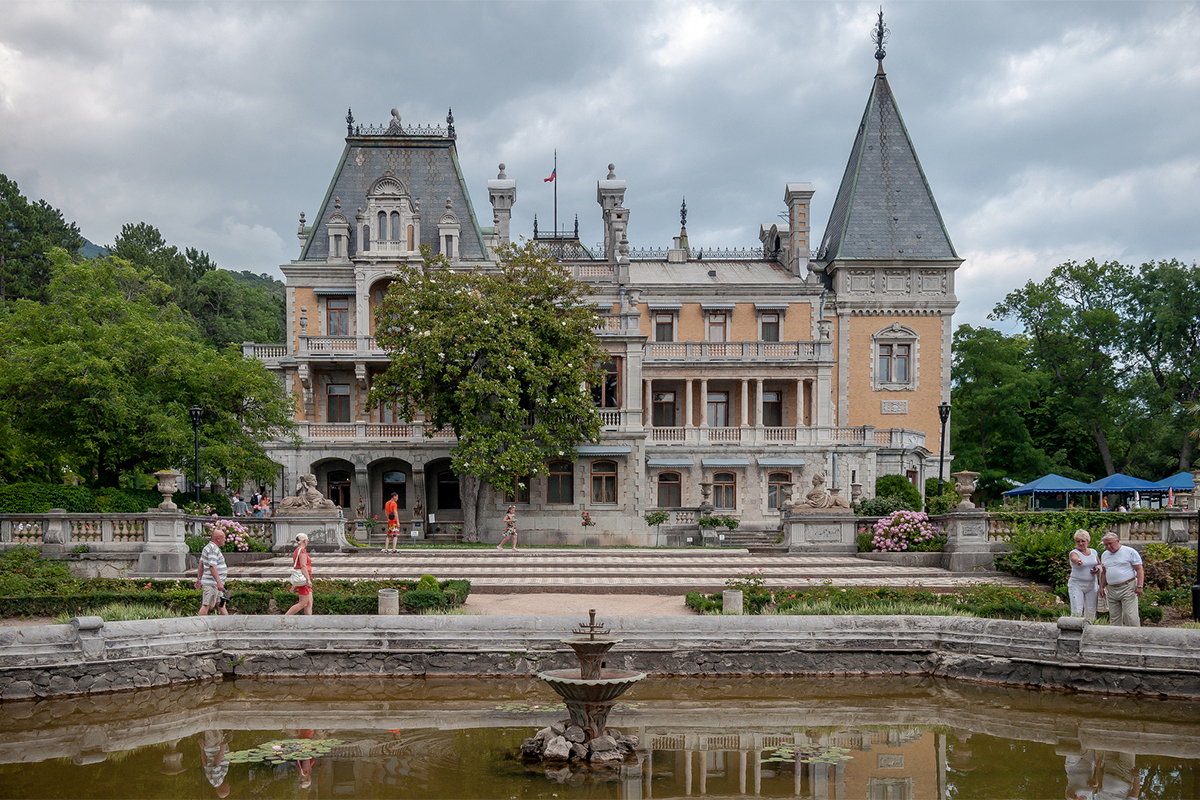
x=397, y=128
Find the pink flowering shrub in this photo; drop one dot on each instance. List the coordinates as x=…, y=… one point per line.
x=903, y=530
x=237, y=536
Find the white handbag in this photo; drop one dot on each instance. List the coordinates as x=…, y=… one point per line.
x=297, y=576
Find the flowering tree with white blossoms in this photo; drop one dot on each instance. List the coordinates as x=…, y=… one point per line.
x=502, y=355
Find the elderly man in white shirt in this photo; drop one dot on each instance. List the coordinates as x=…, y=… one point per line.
x=1121, y=580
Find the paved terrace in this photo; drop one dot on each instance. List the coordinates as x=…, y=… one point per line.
x=607, y=571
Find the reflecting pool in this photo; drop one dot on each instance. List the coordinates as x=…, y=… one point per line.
x=883, y=739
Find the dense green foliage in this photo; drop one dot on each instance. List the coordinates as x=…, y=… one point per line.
x=227, y=308
x=1168, y=566
x=879, y=506
x=33, y=586
x=500, y=356
x=1097, y=382
x=28, y=232
x=899, y=486
x=939, y=505
x=37, y=498
x=116, y=366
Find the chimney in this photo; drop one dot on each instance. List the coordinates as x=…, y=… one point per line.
x=503, y=193
x=798, y=196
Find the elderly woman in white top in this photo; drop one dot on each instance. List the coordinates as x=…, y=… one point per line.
x=1081, y=586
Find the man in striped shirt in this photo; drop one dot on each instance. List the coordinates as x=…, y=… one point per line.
x=210, y=574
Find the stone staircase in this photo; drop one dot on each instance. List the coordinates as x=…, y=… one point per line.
x=611, y=571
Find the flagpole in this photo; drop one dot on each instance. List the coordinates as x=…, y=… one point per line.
x=555, y=173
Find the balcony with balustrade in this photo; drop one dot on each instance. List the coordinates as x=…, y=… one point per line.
x=800, y=436
x=749, y=351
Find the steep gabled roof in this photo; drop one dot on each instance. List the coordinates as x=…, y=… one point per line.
x=884, y=208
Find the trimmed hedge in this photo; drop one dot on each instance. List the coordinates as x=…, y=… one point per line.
x=38, y=498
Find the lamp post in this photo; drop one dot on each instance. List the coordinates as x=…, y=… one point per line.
x=195, y=412
x=943, y=415
x=1196, y=585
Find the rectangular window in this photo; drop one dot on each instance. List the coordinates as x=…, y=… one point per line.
x=725, y=491
x=772, y=410
x=775, y=488
x=337, y=405
x=669, y=495
x=560, y=482
x=387, y=414
x=604, y=482
x=716, y=326
x=718, y=409
x=893, y=363
x=518, y=492
x=664, y=327
x=664, y=410
x=337, y=316
x=607, y=394
x=770, y=327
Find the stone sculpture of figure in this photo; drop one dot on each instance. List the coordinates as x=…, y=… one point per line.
x=361, y=508
x=308, y=498
x=818, y=498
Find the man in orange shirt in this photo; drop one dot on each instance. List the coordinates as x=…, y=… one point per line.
x=393, y=522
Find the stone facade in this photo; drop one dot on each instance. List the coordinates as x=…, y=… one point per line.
x=745, y=371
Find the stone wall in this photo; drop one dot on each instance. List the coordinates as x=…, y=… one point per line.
x=90, y=656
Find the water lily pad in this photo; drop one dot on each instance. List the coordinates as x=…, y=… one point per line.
x=280, y=751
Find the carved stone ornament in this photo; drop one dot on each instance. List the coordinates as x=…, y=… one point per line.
x=821, y=500
x=965, y=483
x=308, y=500
x=167, y=486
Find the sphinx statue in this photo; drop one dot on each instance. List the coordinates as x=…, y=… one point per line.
x=818, y=499
x=308, y=499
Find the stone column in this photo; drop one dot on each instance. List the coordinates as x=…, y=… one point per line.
x=165, y=549
x=745, y=403
x=648, y=404
x=967, y=548
x=704, y=402
x=758, y=402
x=687, y=406
x=799, y=403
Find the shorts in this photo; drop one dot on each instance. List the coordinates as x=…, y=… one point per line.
x=393, y=527
x=209, y=596
x=304, y=590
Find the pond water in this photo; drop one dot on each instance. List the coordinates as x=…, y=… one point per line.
x=883, y=739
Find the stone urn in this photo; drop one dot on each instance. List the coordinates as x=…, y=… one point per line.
x=965, y=483
x=167, y=486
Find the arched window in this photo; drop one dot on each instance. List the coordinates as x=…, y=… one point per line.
x=410, y=238
x=775, y=493
x=725, y=490
x=366, y=238
x=383, y=226
x=604, y=482
x=395, y=237
x=560, y=482
x=669, y=495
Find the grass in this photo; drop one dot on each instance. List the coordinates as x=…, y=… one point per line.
x=124, y=612
x=880, y=608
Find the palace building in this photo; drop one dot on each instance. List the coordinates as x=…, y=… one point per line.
x=735, y=376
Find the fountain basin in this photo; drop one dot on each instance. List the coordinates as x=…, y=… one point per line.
x=608, y=687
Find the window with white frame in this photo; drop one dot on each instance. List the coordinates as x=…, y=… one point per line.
x=772, y=409
x=663, y=410
x=664, y=326
x=718, y=326
x=895, y=358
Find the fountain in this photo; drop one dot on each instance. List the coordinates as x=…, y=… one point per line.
x=589, y=694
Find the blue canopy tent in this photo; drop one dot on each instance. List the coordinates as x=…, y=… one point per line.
x=1180, y=482
x=1126, y=484
x=1050, y=484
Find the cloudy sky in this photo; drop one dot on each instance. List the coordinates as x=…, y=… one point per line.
x=1048, y=130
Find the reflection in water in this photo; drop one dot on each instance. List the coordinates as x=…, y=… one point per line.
x=816, y=738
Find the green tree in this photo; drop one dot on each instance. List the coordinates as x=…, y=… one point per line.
x=27, y=232
x=99, y=380
x=228, y=308
x=1073, y=320
x=501, y=356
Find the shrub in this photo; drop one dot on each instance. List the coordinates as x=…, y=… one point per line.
x=1168, y=566
x=1040, y=550
x=899, y=486
x=904, y=530
x=38, y=498
x=940, y=505
x=427, y=582
x=419, y=600
x=718, y=522
x=703, y=604
x=657, y=517
x=879, y=506
x=753, y=586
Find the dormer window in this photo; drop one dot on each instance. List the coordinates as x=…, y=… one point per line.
x=394, y=217
x=448, y=232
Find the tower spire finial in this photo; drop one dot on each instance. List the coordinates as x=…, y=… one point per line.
x=879, y=36
x=683, y=214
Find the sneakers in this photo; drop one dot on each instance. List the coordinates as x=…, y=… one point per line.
x=498, y=547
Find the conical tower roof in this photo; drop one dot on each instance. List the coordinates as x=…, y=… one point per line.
x=884, y=208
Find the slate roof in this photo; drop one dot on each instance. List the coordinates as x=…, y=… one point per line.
x=884, y=208
x=429, y=167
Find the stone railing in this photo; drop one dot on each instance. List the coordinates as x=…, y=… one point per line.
x=153, y=542
x=738, y=351
x=1170, y=526
x=806, y=435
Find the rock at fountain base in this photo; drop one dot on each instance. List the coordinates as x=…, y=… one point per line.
x=557, y=749
x=557, y=744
